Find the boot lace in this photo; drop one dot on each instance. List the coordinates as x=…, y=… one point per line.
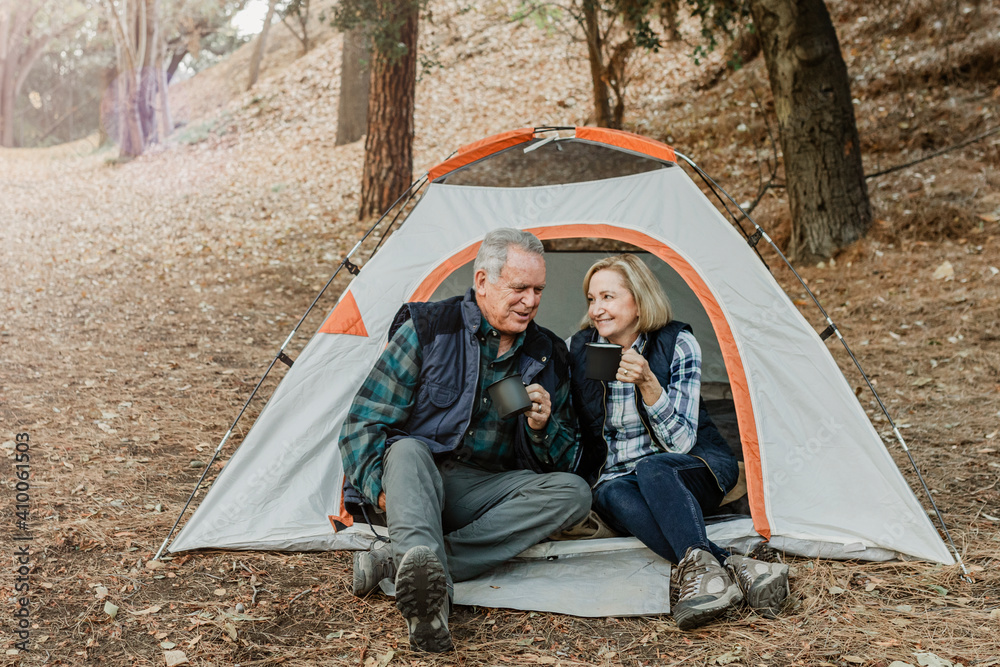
x=690, y=572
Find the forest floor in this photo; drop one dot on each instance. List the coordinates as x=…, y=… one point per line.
x=141, y=301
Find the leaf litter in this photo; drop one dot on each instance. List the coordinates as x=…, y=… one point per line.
x=142, y=301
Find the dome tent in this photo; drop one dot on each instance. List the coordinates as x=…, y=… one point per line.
x=819, y=479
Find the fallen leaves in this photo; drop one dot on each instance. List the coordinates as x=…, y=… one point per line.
x=174, y=658
x=944, y=272
x=727, y=658
x=380, y=661
x=146, y=611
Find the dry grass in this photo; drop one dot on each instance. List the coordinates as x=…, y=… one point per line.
x=142, y=301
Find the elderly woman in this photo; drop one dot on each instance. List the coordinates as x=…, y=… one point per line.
x=656, y=460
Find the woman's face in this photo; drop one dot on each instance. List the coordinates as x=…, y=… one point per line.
x=612, y=308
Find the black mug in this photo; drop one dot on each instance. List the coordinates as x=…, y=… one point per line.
x=510, y=396
x=603, y=360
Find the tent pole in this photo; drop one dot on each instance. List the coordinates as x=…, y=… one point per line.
x=410, y=192
x=835, y=329
x=715, y=187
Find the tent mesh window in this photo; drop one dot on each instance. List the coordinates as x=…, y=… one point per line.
x=548, y=165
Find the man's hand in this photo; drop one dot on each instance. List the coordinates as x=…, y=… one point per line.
x=541, y=407
x=381, y=501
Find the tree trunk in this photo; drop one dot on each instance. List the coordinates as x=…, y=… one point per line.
x=668, y=14
x=616, y=73
x=109, y=105
x=355, y=73
x=175, y=61
x=130, y=29
x=598, y=70
x=6, y=78
x=130, y=138
x=258, y=53
x=388, y=169
x=6, y=106
x=824, y=177
x=166, y=121
x=148, y=78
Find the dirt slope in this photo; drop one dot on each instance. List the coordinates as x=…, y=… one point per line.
x=142, y=301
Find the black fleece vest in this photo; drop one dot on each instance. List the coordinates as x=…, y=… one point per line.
x=589, y=397
x=449, y=373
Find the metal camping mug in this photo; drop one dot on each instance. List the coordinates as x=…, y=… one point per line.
x=510, y=396
x=603, y=360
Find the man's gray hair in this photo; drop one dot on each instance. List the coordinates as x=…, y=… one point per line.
x=493, y=252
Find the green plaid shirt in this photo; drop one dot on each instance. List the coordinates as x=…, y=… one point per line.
x=382, y=406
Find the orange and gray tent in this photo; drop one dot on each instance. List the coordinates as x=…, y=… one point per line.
x=820, y=481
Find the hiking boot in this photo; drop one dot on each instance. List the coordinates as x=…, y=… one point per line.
x=706, y=590
x=422, y=599
x=371, y=567
x=764, y=585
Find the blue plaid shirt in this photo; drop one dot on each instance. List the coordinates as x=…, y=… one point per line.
x=673, y=417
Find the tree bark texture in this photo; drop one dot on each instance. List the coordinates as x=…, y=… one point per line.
x=148, y=75
x=258, y=53
x=608, y=61
x=595, y=54
x=135, y=28
x=355, y=72
x=166, y=119
x=824, y=177
x=388, y=169
x=130, y=140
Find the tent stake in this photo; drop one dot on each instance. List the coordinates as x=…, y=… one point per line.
x=871, y=387
x=410, y=192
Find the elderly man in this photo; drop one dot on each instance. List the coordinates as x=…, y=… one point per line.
x=463, y=490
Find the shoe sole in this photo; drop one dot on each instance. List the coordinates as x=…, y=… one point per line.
x=695, y=612
x=421, y=589
x=766, y=596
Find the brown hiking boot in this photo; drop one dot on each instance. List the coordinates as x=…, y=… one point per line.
x=764, y=585
x=371, y=567
x=706, y=590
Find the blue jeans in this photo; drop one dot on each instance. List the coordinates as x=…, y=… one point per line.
x=661, y=502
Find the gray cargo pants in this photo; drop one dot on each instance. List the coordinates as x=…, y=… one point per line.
x=471, y=518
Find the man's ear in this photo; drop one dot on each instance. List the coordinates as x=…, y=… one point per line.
x=479, y=282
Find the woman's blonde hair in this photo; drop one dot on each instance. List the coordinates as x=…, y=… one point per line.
x=650, y=299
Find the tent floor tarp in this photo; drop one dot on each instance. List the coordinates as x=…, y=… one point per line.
x=615, y=576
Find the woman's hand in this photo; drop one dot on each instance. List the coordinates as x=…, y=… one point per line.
x=634, y=369
x=541, y=407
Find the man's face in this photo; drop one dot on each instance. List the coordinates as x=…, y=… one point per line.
x=511, y=302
